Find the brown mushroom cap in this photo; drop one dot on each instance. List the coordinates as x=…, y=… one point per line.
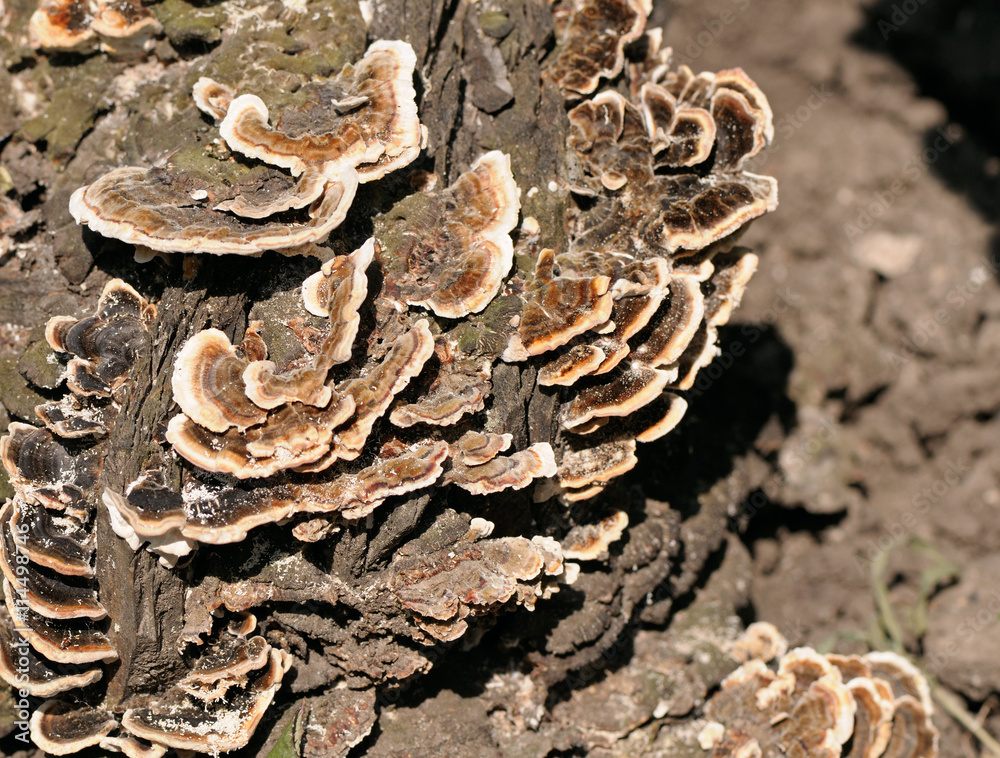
x=593, y=42
x=105, y=345
x=292, y=436
x=590, y=542
x=21, y=667
x=61, y=728
x=189, y=724
x=212, y=98
x=63, y=545
x=378, y=133
x=558, y=309
x=225, y=667
x=62, y=25
x=124, y=26
x=338, y=291
x=356, y=495
x=474, y=448
x=599, y=464
x=374, y=392
x=70, y=419
x=805, y=706
x=154, y=208
x=208, y=383
x=43, y=590
x=42, y=471
x=514, y=472
x=626, y=392
x=444, y=588
x=72, y=641
x=453, y=256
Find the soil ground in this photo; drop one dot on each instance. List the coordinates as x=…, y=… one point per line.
x=879, y=272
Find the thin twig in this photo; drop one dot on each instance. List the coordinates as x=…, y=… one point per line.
x=953, y=706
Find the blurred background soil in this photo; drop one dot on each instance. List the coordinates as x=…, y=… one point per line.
x=879, y=272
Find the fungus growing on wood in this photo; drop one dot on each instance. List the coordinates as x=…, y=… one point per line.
x=820, y=706
x=371, y=127
x=443, y=589
x=120, y=27
x=104, y=345
x=347, y=411
x=180, y=720
x=593, y=38
x=331, y=147
x=61, y=728
x=454, y=252
x=590, y=542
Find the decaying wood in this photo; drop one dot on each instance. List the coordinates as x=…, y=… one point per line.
x=327, y=616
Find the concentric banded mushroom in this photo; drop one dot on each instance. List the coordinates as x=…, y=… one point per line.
x=871, y=706
x=391, y=395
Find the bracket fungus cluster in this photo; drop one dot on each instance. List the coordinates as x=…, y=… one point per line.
x=872, y=706
x=120, y=27
x=388, y=389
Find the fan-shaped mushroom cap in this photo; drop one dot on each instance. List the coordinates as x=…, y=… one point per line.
x=806, y=709
x=42, y=471
x=444, y=588
x=124, y=26
x=557, y=309
x=70, y=419
x=65, y=546
x=225, y=667
x=675, y=325
x=514, y=471
x=61, y=728
x=600, y=464
x=623, y=394
x=336, y=292
x=154, y=208
x=377, y=132
x=106, y=344
x=181, y=721
x=374, y=392
x=21, y=667
x=761, y=641
x=292, y=436
x=43, y=590
x=208, y=382
x=593, y=41
x=457, y=391
x=212, y=98
x=453, y=256
x=355, y=495
x=577, y=362
x=62, y=25
x=590, y=542
x=72, y=641
x=474, y=448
